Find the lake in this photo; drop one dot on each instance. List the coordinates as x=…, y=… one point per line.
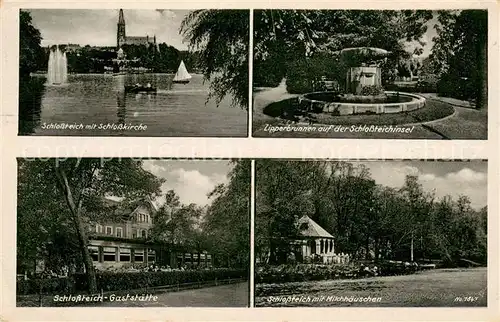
x=96, y=105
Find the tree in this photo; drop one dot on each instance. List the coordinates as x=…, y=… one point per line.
x=30, y=51
x=368, y=221
x=227, y=221
x=222, y=38
x=80, y=185
x=176, y=223
x=459, y=55
x=419, y=205
x=288, y=36
x=42, y=222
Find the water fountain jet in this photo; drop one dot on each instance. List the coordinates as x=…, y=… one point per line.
x=57, y=72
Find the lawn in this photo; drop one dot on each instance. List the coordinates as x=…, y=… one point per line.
x=437, y=288
x=441, y=118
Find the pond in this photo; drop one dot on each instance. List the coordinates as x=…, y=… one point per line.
x=98, y=102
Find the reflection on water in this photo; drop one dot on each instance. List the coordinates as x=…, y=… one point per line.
x=122, y=110
x=96, y=100
x=31, y=92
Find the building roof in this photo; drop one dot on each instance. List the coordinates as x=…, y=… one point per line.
x=309, y=228
x=126, y=210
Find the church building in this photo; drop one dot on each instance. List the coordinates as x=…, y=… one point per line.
x=123, y=39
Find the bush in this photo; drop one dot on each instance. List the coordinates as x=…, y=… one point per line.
x=314, y=272
x=117, y=281
x=302, y=73
x=267, y=74
x=50, y=285
x=372, y=90
x=420, y=87
x=457, y=87
x=304, y=272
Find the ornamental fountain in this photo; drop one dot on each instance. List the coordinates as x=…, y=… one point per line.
x=364, y=93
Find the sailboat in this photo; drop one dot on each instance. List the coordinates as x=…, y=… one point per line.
x=182, y=76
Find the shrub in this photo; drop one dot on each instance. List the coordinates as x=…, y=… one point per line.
x=117, y=281
x=304, y=272
x=457, y=87
x=50, y=285
x=372, y=90
x=109, y=281
x=304, y=74
x=314, y=272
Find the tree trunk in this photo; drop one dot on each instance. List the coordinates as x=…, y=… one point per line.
x=411, y=249
x=272, y=253
x=367, y=249
x=80, y=229
x=482, y=86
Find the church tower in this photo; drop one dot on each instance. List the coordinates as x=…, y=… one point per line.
x=121, y=36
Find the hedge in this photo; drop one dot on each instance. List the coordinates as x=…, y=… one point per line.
x=52, y=285
x=113, y=281
x=313, y=272
x=304, y=272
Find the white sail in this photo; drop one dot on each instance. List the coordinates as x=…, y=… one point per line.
x=182, y=73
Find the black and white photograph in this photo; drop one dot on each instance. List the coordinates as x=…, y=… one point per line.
x=133, y=233
x=128, y=72
x=381, y=233
x=370, y=74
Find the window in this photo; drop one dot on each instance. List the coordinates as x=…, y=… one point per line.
x=119, y=232
x=331, y=245
x=125, y=254
x=151, y=256
x=98, y=229
x=94, y=253
x=138, y=255
x=143, y=233
x=109, y=254
x=109, y=230
x=321, y=245
x=141, y=217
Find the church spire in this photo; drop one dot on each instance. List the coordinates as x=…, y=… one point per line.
x=121, y=18
x=120, y=36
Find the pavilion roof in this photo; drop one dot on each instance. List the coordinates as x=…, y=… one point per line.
x=309, y=228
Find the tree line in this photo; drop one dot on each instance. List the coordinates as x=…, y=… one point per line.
x=57, y=199
x=285, y=42
x=162, y=58
x=368, y=221
x=300, y=45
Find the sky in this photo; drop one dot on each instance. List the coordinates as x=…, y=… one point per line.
x=426, y=38
x=192, y=180
x=98, y=27
x=444, y=177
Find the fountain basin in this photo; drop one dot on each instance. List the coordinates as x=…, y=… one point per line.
x=391, y=102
